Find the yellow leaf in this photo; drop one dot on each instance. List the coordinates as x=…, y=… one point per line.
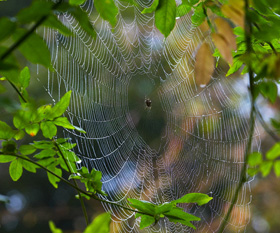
x=223, y=46
x=235, y=13
x=239, y=4
x=225, y=29
x=204, y=65
x=204, y=27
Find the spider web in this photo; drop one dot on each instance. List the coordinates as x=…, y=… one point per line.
x=191, y=139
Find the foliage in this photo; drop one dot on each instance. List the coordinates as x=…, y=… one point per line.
x=101, y=224
x=151, y=213
x=92, y=180
x=30, y=119
x=264, y=166
x=245, y=34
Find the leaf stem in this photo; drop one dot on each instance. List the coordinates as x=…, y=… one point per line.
x=75, y=182
x=275, y=137
x=92, y=195
x=208, y=19
x=243, y=178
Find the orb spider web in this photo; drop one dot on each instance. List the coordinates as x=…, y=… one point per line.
x=193, y=138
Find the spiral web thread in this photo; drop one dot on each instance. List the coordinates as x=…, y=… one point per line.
x=206, y=130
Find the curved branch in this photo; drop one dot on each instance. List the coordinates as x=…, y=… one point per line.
x=243, y=178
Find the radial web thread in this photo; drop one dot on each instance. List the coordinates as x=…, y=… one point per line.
x=203, y=130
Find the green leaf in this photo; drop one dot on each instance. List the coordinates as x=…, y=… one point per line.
x=268, y=90
x=67, y=146
x=60, y=106
x=53, y=228
x=80, y=16
x=82, y=195
x=274, y=152
x=6, y=158
x=130, y=2
x=261, y=6
x=15, y=170
x=79, y=129
x=198, y=16
x=76, y=2
x=234, y=67
x=43, y=144
x=62, y=140
x=6, y=132
x=275, y=123
x=165, y=207
x=45, y=154
x=107, y=10
x=24, y=77
x=10, y=74
x=152, y=8
x=54, y=23
x=46, y=162
x=34, y=48
x=42, y=112
x=27, y=149
x=91, y=180
x=93, y=183
x=265, y=167
x=34, y=12
x=28, y=165
x=143, y=206
x=32, y=129
x=252, y=171
x=100, y=224
x=6, y=66
x=277, y=168
x=21, y=119
x=165, y=16
x=177, y=215
x=146, y=220
x=53, y=179
x=198, y=198
x=2, y=88
x=64, y=166
x=63, y=121
x=182, y=10
x=7, y=27
x=191, y=2
x=9, y=147
x=49, y=129
x=255, y=159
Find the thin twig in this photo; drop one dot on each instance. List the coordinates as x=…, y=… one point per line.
x=89, y=194
x=75, y=182
x=22, y=39
x=208, y=19
x=243, y=174
x=275, y=137
x=18, y=92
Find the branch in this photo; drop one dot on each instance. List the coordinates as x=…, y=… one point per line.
x=75, y=182
x=21, y=40
x=91, y=195
x=243, y=174
x=275, y=137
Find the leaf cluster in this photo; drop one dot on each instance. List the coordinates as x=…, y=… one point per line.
x=151, y=213
x=92, y=180
x=264, y=165
x=100, y=224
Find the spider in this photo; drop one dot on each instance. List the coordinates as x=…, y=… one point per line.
x=148, y=103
